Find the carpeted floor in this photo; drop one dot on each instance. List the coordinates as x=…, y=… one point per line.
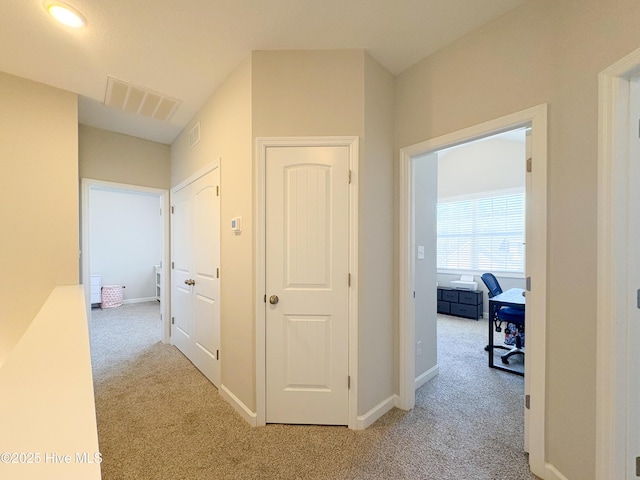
x=159, y=418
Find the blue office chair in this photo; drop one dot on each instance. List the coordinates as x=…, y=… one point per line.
x=513, y=317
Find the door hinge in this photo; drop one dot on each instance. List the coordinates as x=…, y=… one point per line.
x=414, y=294
x=173, y=320
x=217, y=273
x=348, y=381
x=160, y=212
x=349, y=176
x=265, y=298
x=217, y=190
x=172, y=210
x=637, y=466
x=217, y=354
x=349, y=280
x=527, y=402
x=638, y=298
x=529, y=164
x=528, y=284
x=172, y=265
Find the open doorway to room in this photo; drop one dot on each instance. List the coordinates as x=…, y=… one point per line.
x=124, y=249
x=412, y=279
x=480, y=229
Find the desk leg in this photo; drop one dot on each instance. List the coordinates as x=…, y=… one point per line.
x=492, y=313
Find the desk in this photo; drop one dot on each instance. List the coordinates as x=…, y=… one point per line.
x=513, y=297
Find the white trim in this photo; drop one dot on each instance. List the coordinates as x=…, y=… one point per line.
x=612, y=280
x=86, y=185
x=244, y=411
x=259, y=208
x=552, y=473
x=426, y=376
x=369, y=418
x=139, y=300
x=536, y=117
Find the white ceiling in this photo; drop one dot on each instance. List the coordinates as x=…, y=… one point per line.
x=186, y=48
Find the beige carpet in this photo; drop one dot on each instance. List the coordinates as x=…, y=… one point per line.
x=159, y=418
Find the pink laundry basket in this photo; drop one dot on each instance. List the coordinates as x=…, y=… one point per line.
x=112, y=296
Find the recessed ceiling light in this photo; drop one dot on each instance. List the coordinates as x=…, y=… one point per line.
x=65, y=14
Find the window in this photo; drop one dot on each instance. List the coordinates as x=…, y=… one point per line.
x=482, y=233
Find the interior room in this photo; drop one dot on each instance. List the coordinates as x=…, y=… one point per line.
x=232, y=84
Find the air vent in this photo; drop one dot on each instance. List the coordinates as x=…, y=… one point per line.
x=139, y=100
x=194, y=135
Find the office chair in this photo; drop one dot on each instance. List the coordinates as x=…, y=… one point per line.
x=513, y=317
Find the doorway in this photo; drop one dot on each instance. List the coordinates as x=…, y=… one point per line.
x=95, y=198
x=536, y=119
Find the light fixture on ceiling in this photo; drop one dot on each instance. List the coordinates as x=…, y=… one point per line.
x=65, y=14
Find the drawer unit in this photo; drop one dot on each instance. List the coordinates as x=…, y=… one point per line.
x=470, y=297
x=444, y=307
x=461, y=303
x=450, y=295
x=95, y=290
x=467, y=311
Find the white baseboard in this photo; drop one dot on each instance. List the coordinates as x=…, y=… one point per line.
x=552, y=473
x=426, y=376
x=250, y=417
x=369, y=418
x=139, y=300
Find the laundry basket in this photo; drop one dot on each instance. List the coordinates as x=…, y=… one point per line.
x=112, y=296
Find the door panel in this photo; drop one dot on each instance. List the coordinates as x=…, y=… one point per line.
x=196, y=240
x=181, y=305
x=307, y=235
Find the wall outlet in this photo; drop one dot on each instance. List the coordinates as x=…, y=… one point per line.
x=419, y=348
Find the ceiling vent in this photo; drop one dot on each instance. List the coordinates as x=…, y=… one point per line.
x=139, y=100
x=194, y=135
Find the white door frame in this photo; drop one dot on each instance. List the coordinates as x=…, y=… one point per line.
x=536, y=117
x=262, y=143
x=612, y=368
x=86, y=185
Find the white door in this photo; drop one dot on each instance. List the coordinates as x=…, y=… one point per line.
x=307, y=297
x=195, y=293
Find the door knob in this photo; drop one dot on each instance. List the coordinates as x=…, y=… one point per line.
x=273, y=299
x=188, y=281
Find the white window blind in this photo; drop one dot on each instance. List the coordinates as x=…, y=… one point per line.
x=483, y=233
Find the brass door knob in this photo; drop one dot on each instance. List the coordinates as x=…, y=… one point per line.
x=189, y=281
x=273, y=299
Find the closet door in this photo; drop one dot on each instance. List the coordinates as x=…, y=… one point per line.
x=195, y=292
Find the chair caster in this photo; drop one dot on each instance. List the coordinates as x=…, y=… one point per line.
x=505, y=361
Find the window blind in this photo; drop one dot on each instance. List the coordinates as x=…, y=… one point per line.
x=482, y=233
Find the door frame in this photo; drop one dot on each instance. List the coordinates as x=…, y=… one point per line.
x=612, y=365
x=262, y=143
x=86, y=185
x=536, y=118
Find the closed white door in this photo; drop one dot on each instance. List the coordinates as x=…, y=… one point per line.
x=195, y=273
x=307, y=300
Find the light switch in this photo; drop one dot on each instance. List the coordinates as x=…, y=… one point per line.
x=420, y=252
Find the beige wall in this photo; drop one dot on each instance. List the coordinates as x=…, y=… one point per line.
x=318, y=92
x=377, y=350
x=544, y=51
x=114, y=157
x=39, y=192
x=225, y=134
